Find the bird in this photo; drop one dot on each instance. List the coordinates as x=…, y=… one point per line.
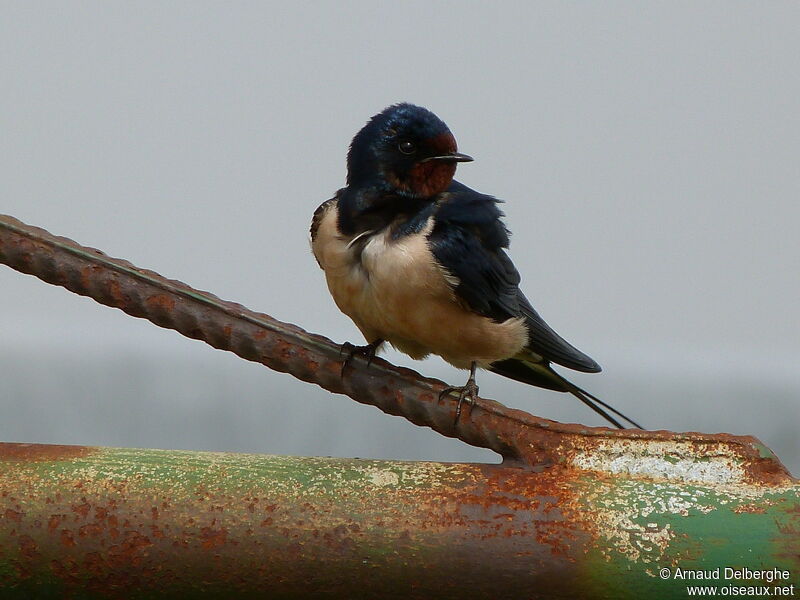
x=419, y=260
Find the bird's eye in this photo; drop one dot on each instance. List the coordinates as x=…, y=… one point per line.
x=407, y=147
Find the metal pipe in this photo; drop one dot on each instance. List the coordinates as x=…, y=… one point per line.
x=85, y=522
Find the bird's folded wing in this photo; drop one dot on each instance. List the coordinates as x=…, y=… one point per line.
x=547, y=343
x=468, y=242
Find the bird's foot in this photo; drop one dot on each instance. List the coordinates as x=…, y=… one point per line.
x=468, y=393
x=350, y=350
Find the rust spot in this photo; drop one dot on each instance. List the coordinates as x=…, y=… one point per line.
x=338, y=540
x=284, y=349
x=162, y=301
x=42, y=452
x=334, y=367
x=67, y=538
x=86, y=275
x=790, y=530
x=54, y=522
x=426, y=397
x=66, y=569
x=213, y=538
x=82, y=509
x=115, y=292
x=90, y=530
x=128, y=550
x=28, y=547
x=13, y=515
x=95, y=564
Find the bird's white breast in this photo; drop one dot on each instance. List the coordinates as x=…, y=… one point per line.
x=393, y=289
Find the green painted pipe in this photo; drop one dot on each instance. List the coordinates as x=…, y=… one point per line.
x=101, y=522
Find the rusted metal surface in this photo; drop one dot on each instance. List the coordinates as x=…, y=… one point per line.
x=574, y=512
x=516, y=435
x=115, y=523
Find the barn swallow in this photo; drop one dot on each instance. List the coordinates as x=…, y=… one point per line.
x=419, y=260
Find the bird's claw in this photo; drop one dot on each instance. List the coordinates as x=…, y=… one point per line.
x=468, y=393
x=350, y=350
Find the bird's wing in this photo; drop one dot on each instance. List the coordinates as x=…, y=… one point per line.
x=547, y=343
x=316, y=221
x=318, y=214
x=469, y=241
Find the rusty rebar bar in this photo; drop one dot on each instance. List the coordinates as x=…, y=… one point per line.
x=516, y=435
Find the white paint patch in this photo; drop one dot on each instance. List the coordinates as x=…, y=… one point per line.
x=384, y=478
x=670, y=460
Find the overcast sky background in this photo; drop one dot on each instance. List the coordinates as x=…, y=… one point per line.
x=647, y=152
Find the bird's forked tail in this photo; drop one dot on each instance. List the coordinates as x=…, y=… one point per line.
x=542, y=375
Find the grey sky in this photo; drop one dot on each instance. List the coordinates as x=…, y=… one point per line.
x=648, y=154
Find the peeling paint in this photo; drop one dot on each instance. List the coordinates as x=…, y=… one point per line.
x=670, y=460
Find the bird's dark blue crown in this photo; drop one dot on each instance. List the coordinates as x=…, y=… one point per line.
x=402, y=119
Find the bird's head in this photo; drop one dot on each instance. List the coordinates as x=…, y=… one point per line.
x=405, y=149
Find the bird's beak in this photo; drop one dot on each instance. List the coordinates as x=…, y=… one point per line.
x=451, y=157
